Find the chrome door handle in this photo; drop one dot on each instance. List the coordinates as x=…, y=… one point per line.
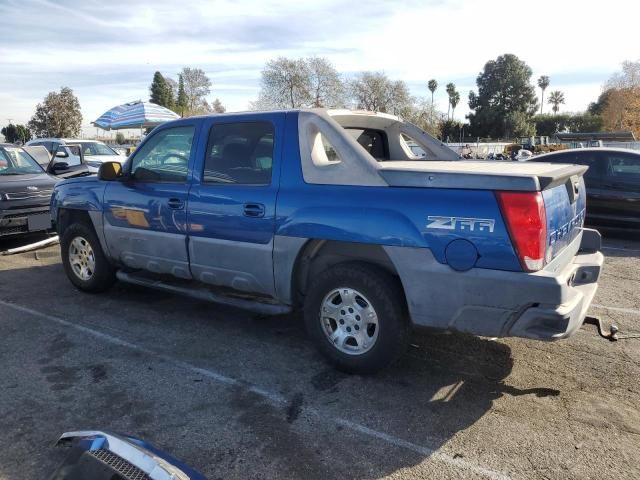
x=175, y=203
x=255, y=210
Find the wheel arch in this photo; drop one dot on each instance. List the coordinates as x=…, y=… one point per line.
x=91, y=218
x=317, y=255
x=69, y=216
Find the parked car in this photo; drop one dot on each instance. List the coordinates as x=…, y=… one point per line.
x=95, y=153
x=523, y=155
x=25, y=191
x=271, y=211
x=613, y=183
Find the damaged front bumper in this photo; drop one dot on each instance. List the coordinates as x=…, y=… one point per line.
x=99, y=455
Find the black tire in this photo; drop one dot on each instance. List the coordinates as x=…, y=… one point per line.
x=104, y=274
x=383, y=292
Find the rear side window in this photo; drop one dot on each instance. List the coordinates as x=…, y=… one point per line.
x=240, y=153
x=621, y=166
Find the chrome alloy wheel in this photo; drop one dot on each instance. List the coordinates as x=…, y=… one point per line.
x=349, y=321
x=82, y=258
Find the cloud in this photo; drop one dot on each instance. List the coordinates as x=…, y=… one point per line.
x=107, y=51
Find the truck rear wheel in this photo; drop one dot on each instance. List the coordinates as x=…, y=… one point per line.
x=84, y=261
x=355, y=314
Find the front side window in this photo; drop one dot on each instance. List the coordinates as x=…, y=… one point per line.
x=165, y=156
x=95, y=148
x=240, y=153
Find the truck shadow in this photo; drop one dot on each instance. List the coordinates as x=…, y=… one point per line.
x=333, y=425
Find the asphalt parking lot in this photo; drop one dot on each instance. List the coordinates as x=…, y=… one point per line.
x=239, y=396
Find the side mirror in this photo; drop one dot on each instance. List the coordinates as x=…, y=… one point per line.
x=109, y=171
x=61, y=154
x=57, y=166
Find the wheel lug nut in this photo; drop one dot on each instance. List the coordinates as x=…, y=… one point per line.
x=349, y=329
x=358, y=317
x=342, y=312
x=357, y=327
x=351, y=310
x=341, y=322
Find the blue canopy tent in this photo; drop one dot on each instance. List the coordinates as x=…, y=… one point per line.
x=137, y=114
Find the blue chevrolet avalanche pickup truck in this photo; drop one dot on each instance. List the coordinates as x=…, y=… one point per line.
x=330, y=211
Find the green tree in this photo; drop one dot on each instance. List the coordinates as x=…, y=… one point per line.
x=548, y=125
x=120, y=140
x=450, y=130
x=433, y=86
x=556, y=98
x=161, y=92
x=585, y=122
x=57, y=116
x=543, y=83
x=182, y=102
x=504, y=89
x=597, y=107
x=16, y=133
x=24, y=134
x=451, y=89
x=454, y=100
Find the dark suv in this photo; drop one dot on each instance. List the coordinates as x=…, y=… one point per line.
x=25, y=192
x=612, y=181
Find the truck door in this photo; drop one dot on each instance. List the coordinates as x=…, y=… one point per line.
x=145, y=212
x=232, y=203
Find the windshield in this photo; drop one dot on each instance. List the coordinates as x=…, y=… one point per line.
x=95, y=148
x=15, y=161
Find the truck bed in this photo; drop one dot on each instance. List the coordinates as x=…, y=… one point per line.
x=477, y=175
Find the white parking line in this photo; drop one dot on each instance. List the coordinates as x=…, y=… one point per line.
x=617, y=309
x=272, y=397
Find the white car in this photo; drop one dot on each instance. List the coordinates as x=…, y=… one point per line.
x=95, y=153
x=523, y=155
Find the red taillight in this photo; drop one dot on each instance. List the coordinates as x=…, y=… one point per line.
x=526, y=221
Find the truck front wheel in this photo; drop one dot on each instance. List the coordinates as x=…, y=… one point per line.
x=355, y=313
x=84, y=261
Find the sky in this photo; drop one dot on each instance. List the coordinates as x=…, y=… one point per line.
x=107, y=51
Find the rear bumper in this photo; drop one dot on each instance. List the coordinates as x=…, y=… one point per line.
x=546, y=305
x=549, y=321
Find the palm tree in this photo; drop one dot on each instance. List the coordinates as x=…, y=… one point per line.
x=451, y=89
x=543, y=83
x=454, y=100
x=556, y=98
x=433, y=86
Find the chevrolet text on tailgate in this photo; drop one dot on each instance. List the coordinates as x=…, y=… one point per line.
x=331, y=212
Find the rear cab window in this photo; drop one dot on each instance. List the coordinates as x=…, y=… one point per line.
x=375, y=142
